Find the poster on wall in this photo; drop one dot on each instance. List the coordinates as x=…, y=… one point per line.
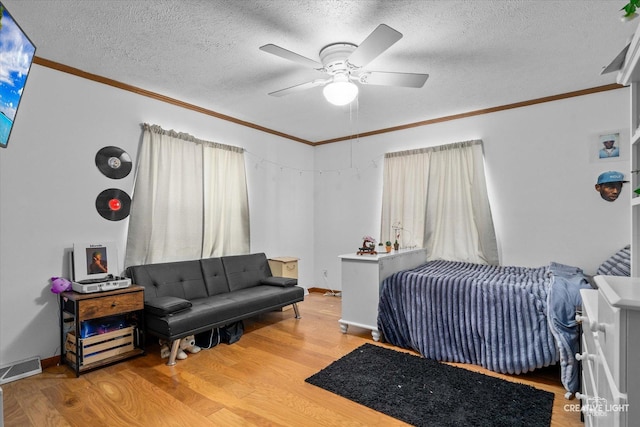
x=608, y=146
x=94, y=261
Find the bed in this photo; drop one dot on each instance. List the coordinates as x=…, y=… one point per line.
x=507, y=319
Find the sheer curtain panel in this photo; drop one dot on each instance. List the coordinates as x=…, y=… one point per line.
x=189, y=199
x=404, y=197
x=438, y=195
x=226, y=206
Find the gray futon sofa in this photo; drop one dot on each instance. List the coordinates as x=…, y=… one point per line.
x=187, y=297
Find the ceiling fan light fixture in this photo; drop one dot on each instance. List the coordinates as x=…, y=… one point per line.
x=340, y=92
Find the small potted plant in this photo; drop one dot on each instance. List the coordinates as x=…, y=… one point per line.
x=397, y=227
x=388, y=245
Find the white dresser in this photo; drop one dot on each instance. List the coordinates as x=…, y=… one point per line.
x=610, y=353
x=361, y=278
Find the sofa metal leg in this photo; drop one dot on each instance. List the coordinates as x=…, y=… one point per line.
x=175, y=346
x=295, y=308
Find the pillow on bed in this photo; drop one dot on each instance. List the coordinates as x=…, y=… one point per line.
x=618, y=265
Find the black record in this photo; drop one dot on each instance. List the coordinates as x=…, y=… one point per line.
x=113, y=162
x=113, y=204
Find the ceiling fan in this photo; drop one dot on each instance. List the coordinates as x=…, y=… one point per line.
x=345, y=62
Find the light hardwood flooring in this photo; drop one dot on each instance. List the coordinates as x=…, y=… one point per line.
x=258, y=381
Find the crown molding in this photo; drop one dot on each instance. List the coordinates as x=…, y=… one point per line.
x=114, y=83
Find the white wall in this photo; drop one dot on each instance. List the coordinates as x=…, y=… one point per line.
x=312, y=203
x=49, y=183
x=540, y=176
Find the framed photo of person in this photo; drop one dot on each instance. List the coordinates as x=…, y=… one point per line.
x=608, y=146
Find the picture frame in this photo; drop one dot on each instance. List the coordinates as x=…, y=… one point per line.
x=608, y=146
x=94, y=261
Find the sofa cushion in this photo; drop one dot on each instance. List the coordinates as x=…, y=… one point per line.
x=161, y=306
x=255, y=300
x=283, y=282
x=181, y=279
x=222, y=309
x=245, y=271
x=214, y=278
x=205, y=313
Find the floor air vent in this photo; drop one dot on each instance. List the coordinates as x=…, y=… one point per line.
x=21, y=369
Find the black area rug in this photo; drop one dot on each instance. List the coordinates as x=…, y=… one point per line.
x=424, y=392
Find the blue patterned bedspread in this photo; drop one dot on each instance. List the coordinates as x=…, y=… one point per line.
x=493, y=316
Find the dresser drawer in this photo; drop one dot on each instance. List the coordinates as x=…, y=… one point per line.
x=589, y=367
x=588, y=317
x=111, y=305
x=610, y=407
x=588, y=391
x=611, y=327
x=602, y=403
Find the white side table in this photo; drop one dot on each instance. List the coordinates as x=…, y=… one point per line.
x=362, y=276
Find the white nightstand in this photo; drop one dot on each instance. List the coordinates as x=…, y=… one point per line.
x=361, y=278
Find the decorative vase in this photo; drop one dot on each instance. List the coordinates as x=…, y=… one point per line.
x=396, y=246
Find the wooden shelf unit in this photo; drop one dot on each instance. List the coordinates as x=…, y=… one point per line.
x=107, y=348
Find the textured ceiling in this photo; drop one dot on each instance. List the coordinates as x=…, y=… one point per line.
x=479, y=54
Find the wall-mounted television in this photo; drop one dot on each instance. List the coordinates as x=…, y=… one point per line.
x=16, y=57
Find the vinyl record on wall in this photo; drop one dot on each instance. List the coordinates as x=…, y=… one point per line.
x=113, y=204
x=113, y=162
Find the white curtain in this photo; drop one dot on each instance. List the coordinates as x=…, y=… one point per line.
x=189, y=200
x=404, y=197
x=226, y=206
x=437, y=198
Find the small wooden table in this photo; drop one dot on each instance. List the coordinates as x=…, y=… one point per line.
x=83, y=353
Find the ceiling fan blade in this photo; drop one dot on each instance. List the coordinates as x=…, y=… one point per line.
x=291, y=56
x=300, y=87
x=382, y=78
x=381, y=39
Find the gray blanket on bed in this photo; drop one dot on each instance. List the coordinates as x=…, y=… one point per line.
x=493, y=316
x=562, y=302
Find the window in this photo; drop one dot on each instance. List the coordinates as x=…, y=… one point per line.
x=189, y=201
x=437, y=198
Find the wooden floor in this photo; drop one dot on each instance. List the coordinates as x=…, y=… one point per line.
x=258, y=381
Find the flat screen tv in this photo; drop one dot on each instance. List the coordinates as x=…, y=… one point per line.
x=16, y=57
